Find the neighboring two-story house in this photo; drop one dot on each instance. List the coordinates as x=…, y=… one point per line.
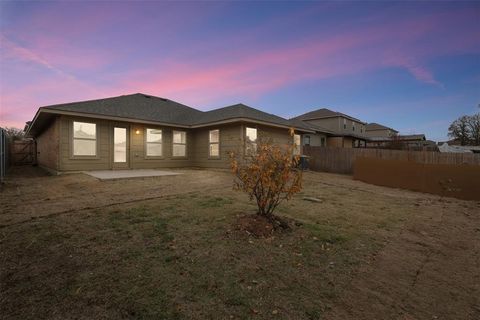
x=333, y=129
x=377, y=130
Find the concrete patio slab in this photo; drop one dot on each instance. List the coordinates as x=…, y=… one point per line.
x=127, y=174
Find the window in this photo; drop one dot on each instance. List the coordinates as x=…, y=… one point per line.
x=179, y=144
x=251, y=141
x=296, y=144
x=306, y=140
x=153, y=142
x=344, y=123
x=119, y=144
x=84, y=139
x=323, y=141
x=353, y=126
x=214, y=143
x=361, y=129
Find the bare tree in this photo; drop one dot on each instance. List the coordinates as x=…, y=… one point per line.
x=460, y=130
x=14, y=133
x=474, y=128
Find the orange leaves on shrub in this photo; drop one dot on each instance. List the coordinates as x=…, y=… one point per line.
x=268, y=176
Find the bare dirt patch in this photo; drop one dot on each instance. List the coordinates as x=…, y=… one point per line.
x=75, y=247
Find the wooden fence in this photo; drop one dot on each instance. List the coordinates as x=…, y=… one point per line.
x=3, y=154
x=22, y=152
x=341, y=160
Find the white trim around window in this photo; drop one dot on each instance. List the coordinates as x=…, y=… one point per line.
x=84, y=140
x=297, y=143
x=179, y=144
x=153, y=143
x=250, y=141
x=214, y=144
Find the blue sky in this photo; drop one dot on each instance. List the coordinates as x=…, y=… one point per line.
x=414, y=66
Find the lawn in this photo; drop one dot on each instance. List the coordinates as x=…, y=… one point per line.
x=168, y=248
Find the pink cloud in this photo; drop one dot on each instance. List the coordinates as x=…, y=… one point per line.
x=228, y=74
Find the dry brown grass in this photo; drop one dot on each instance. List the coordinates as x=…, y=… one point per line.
x=166, y=248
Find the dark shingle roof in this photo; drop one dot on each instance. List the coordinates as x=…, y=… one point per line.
x=323, y=113
x=240, y=111
x=375, y=126
x=135, y=106
x=150, y=108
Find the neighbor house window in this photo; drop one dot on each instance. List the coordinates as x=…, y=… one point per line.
x=153, y=142
x=361, y=129
x=344, y=123
x=214, y=143
x=179, y=144
x=251, y=141
x=353, y=126
x=306, y=140
x=296, y=144
x=84, y=139
x=323, y=141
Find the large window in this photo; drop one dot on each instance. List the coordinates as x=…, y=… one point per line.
x=84, y=139
x=296, y=144
x=251, y=141
x=153, y=139
x=214, y=143
x=179, y=144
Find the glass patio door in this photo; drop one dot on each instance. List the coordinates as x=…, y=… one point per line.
x=120, y=147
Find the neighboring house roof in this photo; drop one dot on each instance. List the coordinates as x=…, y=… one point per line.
x=324, y=113
x=412, y=137
x=146, y=108
x=311, y=126
x=376, y=126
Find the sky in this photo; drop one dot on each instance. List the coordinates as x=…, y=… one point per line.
x=413, y=66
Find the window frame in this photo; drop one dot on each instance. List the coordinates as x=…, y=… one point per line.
x=145, y=142
x=72, y=141
x=210, y=156
x=249, y=142
x=295, y=146
x=182, y=144
x=309, y=140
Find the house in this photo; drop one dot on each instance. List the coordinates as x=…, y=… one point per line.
x=140, y=131
x=332, y=129
x=375, y=130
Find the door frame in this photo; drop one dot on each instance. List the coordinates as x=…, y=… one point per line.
x=120, y=165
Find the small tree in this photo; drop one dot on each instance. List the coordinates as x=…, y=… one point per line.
x=268, y=175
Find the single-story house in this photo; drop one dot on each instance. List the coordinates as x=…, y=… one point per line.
x=140, y=131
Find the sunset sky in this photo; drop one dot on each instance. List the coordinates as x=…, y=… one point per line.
x=411, y=66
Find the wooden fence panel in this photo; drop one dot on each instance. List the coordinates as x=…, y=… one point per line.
x=3, y=154
x=341, y=160
x=22, y=152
